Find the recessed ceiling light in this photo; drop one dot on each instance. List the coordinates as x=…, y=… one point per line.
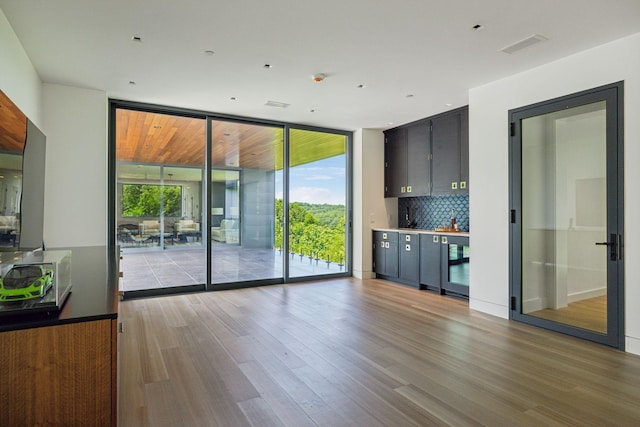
x=477, y=27
x=267, y=66
x=361, y=86
x=312, y=111
x=209, y=52
x=410, y=95
x=233, y=98
x=136, y=39
x=131, y=82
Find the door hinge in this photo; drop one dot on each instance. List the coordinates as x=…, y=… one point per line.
x=512, y=129
x=513, y=216
x=620, y=246
x=513, y=303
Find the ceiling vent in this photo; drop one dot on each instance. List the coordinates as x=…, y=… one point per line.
x=276, y=104
x=523, y=44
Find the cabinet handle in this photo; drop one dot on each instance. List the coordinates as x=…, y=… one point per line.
x=444, y=240
x=407, y=248
x=407, y=238
x=454, y=185
x=382, y=244
x=403, y=189
x=463, y=185
x=408, y=189
x=384, y=236
x=436, y=239
x=386, y=245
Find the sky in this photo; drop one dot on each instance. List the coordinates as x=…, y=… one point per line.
x=319, y=182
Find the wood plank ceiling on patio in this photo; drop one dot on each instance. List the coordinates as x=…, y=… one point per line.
x=152, y=138
x=163, y=139
x=13, y=126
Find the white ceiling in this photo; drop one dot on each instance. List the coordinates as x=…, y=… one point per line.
x=424, y=48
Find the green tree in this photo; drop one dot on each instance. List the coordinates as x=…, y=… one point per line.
x=143, y=200
x=308, y=235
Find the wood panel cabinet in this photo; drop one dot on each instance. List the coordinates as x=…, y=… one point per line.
x=60, y=375
x=62, y=369
x=385, y=253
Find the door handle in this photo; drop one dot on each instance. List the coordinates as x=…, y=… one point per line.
x=613, y=244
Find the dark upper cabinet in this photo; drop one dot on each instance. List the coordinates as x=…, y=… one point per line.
x=418, y=164
x=395, y=162
x=464, y=149
x=428, y=157
x=407, y=172
x=450, y=152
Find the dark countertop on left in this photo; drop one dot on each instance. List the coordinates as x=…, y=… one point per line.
x=94, y=292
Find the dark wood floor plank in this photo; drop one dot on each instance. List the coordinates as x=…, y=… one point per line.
x=366, y=353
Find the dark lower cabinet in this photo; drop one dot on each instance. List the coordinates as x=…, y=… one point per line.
x=409, y=259
x=455, y=259
x=444, y=264
x=385, y=254
x=430, y=265
x=433, y=262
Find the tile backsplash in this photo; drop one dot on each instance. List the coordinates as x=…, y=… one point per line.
x=434, y=211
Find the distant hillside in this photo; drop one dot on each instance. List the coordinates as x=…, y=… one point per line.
x=314, y=230
x=329, y=215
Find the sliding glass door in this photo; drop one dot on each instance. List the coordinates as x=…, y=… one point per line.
x=244, y=161
x=159, y=199
x=206, y=203
x=317, y=203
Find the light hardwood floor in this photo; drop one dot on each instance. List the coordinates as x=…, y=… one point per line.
x=588, y=314
x=359, y=353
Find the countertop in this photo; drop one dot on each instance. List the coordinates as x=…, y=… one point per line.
x=94, y=292
x=421, y=231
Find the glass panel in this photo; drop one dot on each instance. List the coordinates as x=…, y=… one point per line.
x=317, y=197
x=159, y=174
x=564, y=273
x=244, y=228
x=459, y=264
x=10, y=195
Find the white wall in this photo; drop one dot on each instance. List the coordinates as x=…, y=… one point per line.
x=76, y=172
x=370, y=208
x=18, y=78
x=488, y=145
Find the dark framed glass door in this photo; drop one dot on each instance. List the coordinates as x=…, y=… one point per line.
x=566, y=200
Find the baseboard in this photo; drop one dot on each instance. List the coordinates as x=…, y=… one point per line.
x=489, y=308
x=632, y=345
